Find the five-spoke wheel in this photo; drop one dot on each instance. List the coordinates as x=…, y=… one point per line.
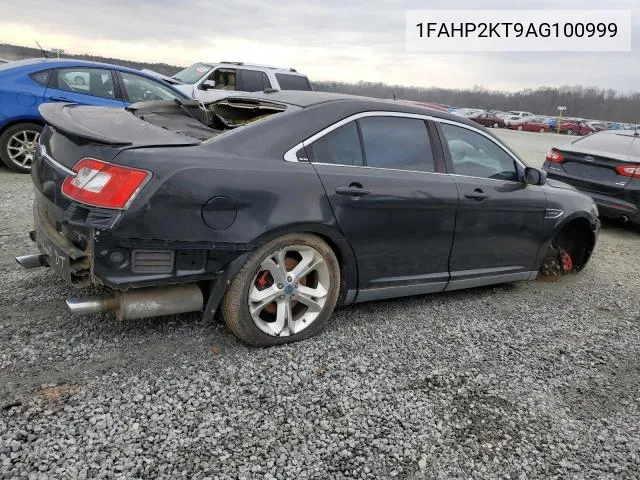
x=18, y=146
x=285, y=292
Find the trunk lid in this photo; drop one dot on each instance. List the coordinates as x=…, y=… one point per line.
x=74, y=132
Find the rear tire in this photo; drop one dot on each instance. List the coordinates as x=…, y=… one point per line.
x=542, y=130
x=267, y=305
x=495, y=125
x=18, y=146
x=520, y=127
x=569, y=132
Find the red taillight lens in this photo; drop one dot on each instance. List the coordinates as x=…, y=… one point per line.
x=629, y=170
x=103, y=184
x=554, y=157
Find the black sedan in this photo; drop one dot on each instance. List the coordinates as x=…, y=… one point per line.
x=605, y=166
x=277, y=207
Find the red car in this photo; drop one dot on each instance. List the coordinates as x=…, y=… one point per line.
x=532, y=125
x=489, y=120
x=575, y=127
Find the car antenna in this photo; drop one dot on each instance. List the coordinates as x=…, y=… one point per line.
x=393, y=92
x=42, y=50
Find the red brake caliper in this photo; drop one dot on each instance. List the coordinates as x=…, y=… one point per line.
x=567, y=263
x=262, y=279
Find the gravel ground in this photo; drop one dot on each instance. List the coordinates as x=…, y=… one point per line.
x=534, y=380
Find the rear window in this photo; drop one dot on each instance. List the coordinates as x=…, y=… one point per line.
x=41, y=78
x=193, y=73
x=293, y=82
x=606, y=143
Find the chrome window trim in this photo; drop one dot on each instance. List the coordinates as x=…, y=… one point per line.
x=290, y=155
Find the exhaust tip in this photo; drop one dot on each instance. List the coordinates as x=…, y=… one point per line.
x=32, y=261
x=83, y=306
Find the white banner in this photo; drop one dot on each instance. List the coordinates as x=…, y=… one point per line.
x=518, y=30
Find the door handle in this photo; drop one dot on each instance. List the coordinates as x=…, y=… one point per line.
x=60, y=99
x=477, y=195
x=354, y=190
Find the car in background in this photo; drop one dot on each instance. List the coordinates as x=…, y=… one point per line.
x=597, y=126
x=25, y=84
x=575, y=127
x=467, y=112
x=513, y=121
x=606, y=166
x=532, y=124
x=213, y=81
x=489, y=120
x=519, y=113
x=431, y=106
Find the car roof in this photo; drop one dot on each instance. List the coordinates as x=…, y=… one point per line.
x=306, y=99
x=66, y=62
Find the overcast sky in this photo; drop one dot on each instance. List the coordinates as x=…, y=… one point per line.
x=348, y=40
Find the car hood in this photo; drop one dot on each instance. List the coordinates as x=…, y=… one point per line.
x=185, y=88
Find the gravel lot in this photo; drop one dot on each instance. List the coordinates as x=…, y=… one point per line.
x=535, y=380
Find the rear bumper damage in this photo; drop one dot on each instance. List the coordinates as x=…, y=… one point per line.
x=148, y=278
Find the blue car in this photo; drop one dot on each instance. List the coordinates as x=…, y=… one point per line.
x=25, y=84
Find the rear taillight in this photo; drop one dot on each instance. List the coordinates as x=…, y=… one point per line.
x=629, y=170
x=554, y=157
x=103, y=184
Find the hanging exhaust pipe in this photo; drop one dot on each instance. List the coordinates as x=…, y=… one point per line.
x=32, y=261
x=142, y=302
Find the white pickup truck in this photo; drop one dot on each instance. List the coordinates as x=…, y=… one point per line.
x=213, y=81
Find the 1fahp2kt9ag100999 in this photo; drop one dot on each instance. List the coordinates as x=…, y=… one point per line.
x=276, y=207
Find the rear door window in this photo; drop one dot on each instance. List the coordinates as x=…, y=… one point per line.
x=293, y=82
x=253, y=81
x=397, y=143
x=97, y=82
x=340, y=146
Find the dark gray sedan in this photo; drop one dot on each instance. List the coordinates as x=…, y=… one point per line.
x=279, y=206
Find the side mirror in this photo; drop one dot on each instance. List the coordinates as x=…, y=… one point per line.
x=533, y=176
x=208, y=84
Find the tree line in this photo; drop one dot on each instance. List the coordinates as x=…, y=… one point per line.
x=585, y=102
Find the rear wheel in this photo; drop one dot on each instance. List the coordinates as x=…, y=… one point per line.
x=569, y=132
x=495, y=125
x=18, y=146
x=285, y=292
x=520, y=127
x=542, y=130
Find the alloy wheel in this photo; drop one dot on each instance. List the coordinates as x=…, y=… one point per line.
x=21, y=147
x=289, y=290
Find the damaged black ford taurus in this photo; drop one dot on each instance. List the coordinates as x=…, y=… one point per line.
x=275, y=207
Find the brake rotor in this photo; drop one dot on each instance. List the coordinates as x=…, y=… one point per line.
x=556, y=262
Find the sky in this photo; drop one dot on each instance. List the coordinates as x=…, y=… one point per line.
x=350, y=40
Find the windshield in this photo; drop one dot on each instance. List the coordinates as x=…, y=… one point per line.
x=193, y=73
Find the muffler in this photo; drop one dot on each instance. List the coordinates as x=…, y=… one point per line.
x=142, y=302
x=32, y=261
